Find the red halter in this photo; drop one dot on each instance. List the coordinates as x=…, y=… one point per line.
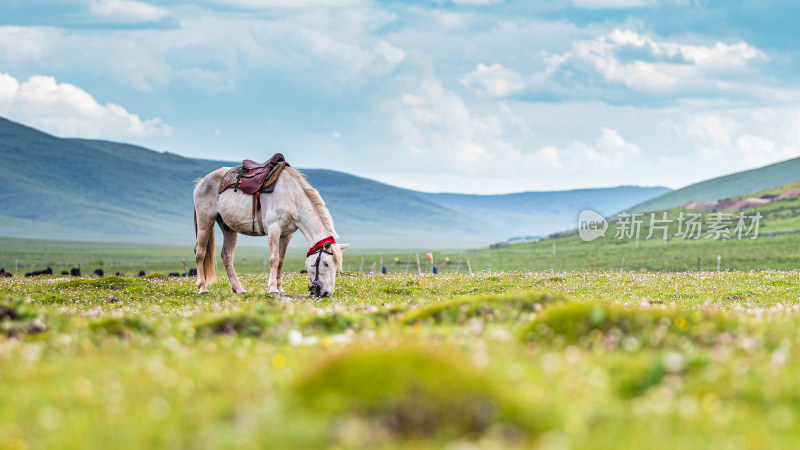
x=320, y=245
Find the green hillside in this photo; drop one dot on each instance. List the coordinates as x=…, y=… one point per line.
x=777, y=245
x=66, y=188
x=727, y=186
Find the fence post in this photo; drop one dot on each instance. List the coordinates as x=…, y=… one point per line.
x=719, y=260
x=622, y=265
x=698, y=264
x=469, y=266
x=419, y=268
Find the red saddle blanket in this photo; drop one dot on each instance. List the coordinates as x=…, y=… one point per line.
x=252, y=177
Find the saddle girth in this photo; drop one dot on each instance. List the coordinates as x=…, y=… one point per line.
x=253, y=179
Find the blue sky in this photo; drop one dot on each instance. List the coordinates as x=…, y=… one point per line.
x=478, y=96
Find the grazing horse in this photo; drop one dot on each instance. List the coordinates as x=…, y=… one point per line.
x=293, y=205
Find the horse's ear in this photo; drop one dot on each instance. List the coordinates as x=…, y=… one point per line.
x=327, y=246
x=344, y=246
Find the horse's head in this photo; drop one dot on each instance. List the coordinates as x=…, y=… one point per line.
x=322, y=266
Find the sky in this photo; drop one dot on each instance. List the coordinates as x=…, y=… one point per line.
x=472, y=96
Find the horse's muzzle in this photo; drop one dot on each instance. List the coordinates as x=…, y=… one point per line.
x=315, y=289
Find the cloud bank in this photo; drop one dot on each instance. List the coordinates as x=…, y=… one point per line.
x=67, y=110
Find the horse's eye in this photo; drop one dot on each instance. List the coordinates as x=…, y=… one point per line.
x=326, y=264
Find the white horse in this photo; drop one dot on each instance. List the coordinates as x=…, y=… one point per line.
x=293, y=205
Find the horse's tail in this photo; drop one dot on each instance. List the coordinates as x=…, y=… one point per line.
x=209, y=268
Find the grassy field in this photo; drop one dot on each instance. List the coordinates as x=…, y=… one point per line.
x=494, y=360
x=535, y=345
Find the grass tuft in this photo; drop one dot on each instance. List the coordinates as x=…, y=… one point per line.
x=122, y=327
x=241, y=325
x=110, y=282
x=18, y=319
x=609, y=324
x=411, y=392
x=334, y=322
x=498, y=307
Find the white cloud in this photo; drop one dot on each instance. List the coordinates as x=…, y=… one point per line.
x=612, y=4
x=742, y=138
x=610, y=151
x=615, y=150
x=477, y=2
x=269, y=4
x=435, y=126
x=493, y=81
x=67, y=110
x=127, y=11
x=437, y=130
x=329, y=50
x=658, y=65
x=390, y=53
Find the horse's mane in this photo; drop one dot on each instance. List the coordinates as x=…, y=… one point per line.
x=322, y=210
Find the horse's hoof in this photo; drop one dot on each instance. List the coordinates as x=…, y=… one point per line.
x=240, y=291
x=203, y=292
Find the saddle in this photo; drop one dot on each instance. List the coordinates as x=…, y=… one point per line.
x=253, y=179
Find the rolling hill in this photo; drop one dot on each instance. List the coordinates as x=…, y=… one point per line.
x=82, y=189
x=726, y=186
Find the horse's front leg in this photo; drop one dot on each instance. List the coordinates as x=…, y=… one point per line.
x=230, y=238
x=281, y=257
x=275, y=260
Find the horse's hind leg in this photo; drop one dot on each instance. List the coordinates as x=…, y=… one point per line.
x=204, y=250
x=230, y=237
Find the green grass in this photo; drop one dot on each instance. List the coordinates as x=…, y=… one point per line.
x=582, y=359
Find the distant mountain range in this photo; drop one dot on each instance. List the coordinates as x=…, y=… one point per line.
x=59, y=188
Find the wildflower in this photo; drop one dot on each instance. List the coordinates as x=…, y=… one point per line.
x=278, y=361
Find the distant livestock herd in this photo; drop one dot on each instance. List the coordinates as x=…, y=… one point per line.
x=76, y=272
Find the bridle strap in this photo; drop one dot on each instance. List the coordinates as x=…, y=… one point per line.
x=316, y=264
